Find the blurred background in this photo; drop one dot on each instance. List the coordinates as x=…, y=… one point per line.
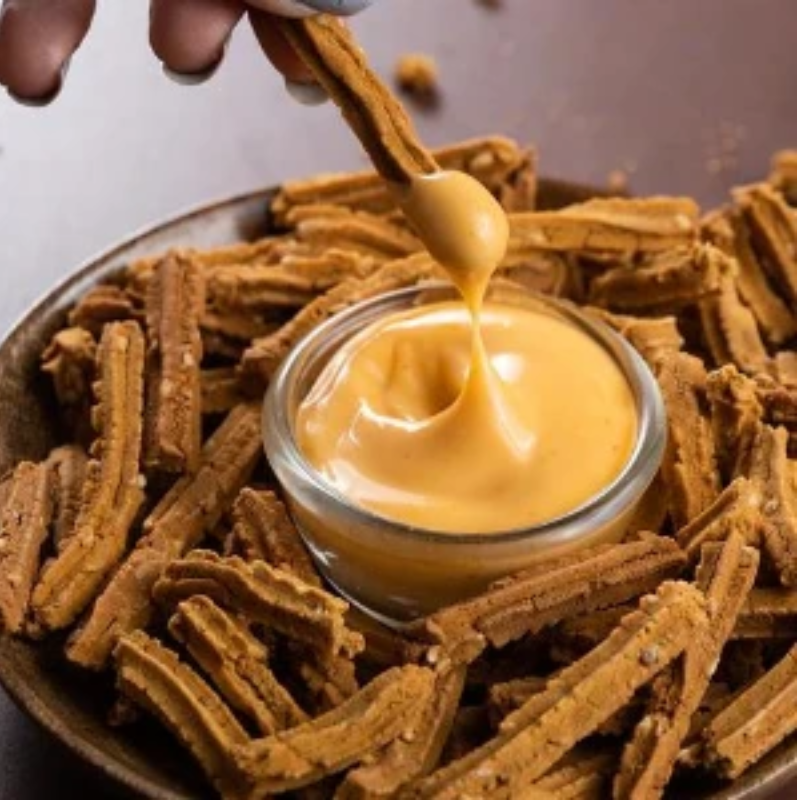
x=686, y=96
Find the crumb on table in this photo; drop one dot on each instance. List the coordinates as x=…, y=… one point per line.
x=417, y=74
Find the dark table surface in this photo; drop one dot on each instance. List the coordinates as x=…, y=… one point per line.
x=689, y=96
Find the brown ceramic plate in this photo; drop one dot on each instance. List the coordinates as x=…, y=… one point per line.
x=72, y=705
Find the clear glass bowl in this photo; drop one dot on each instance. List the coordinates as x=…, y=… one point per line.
x=397, y=572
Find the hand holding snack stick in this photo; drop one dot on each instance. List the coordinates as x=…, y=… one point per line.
x=39, y=37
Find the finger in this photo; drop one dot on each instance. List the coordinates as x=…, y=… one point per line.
x=189, y=36
x=277, y=48
x=37, y=37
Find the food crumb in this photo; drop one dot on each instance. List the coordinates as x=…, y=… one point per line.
x=418, y=76
x=617, y=181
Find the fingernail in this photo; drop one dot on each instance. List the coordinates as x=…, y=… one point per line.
x=45, y=99
x=341, y=8
x=307, y=94
x=196, y=78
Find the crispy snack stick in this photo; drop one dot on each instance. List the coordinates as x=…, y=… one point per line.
x=508, y=696
x=504, y=698
x=174, y=305
x=322, y=210
x=585, y=777
x=377, y=119
x=734, y=511
x=736, y=413
x=383, y=646
x=773, y=226
x=730, y=331
x=614, y=224
x=226, y=334
x=262, y=358
x=665, y=284
x=778, y=395
x=689, y=468
x=561, y=587
x=293, y=283
x=265, y=595
x=755, y=722
x=413, y=754
x=769, y=469
x=25, y=514
x=361, y=233
x=326, y=682
x=651, y=336
x=783, y=174
x=67, y=466
x=579, y=699
x=541, y=271
x=100, y=305
x=69, y=359
x=729, y=231
x=155, y=679
x=113, y=491
x=768, y=613
x=236, y=662
x=246, y=289
x=219, y=390
x=498, y=163
x=380, y=713
x=263, y=531
x=268, y=250
x=190, y=509
x=583, y=632
x=726, y=574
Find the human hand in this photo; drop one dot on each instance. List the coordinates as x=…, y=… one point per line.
x=38, y=38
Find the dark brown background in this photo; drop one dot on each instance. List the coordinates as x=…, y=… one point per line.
x=685, y=96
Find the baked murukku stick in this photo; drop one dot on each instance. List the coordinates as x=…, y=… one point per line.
x=614, y=224
x=371, y=719
x=768, y=613
x=236, y=662
x=561, y=587
x=729, y=231
x=783, y=174
x=68, y=470
x=220, y=390
x=730, y=331
x=773, y=226
x=585, y=777
x=736, y=413
x=113, y=491
x=734, y=511
x=757, y=720
x=375, y=116
x=769, y=470
x=25, y=512
x=726, y=574
x=174, y=305
x=665, y=284
x=415, y=753
x=263, y=531
x=156, y=680
x=362, y=233
x=305, y=614
x=689, y=467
